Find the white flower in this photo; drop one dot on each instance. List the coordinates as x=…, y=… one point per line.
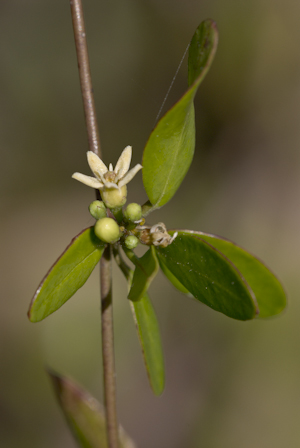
x=109, y=178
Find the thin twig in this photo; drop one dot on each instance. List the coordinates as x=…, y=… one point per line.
x=108, y=350
x=105, y=263
x=85, y=76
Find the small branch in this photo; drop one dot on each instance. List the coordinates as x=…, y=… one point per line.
x=85, y=76
x=121, y=263
x=108, y=350
x=132, y=257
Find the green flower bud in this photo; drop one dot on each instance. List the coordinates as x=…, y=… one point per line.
x=114, y=197
x=97, y=209
x=131, y=242
x=107, y=230
x=133, y=212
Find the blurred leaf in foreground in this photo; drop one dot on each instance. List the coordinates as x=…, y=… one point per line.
x=84, y=414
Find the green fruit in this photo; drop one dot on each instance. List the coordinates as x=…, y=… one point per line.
x=97, y=209
x=107, y=230
x=133, y=212
x=131, y=242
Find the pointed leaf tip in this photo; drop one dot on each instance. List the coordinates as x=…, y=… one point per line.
x=148, y=332
x=69, y=273
x=84, y=414
x=150, y=341
x=268, y=290
x=170, y=148
x=202, y=50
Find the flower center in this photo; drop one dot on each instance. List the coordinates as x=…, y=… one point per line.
x=110, y=176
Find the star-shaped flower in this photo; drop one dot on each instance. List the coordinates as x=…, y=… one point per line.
x=107, y=178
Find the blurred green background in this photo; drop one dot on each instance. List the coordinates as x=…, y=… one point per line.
x=229, y=384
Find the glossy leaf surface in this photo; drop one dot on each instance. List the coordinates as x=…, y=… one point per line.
x=170, y=148
x=209, y=276
x=174, y=280
x=146, y=269
x=269, y=293
x=67, y=275
x=150, y=340
x=84, y=414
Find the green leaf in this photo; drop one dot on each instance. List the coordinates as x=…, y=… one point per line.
x=146, y=269
x=170, y=148
x=174, y=280
x=269, y=293
x=147, y=329
x=67, y=275
x=84, y=414
x=209, y=276
x=149, y=337
x=202, y=50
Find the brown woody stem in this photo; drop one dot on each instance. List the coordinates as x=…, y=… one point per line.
x=108, y=350
x=85, y=76
x=105, y=264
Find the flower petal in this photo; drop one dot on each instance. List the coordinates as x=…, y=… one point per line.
x=173, y=237
x=123, y=163
x=111, y=185
x=96, y=165
x=159, y=227
x=129, y=175
x=87, y=180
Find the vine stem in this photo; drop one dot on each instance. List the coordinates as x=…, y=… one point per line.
x=112, y=427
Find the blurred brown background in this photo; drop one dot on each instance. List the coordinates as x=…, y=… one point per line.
x=229, y=384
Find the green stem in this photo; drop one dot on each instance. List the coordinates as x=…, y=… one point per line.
x=121, y=263
x=112, y=427
x=132, y=257
x=118, y=214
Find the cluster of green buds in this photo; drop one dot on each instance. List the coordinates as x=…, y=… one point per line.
x=113, y=223
x=107, y=228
